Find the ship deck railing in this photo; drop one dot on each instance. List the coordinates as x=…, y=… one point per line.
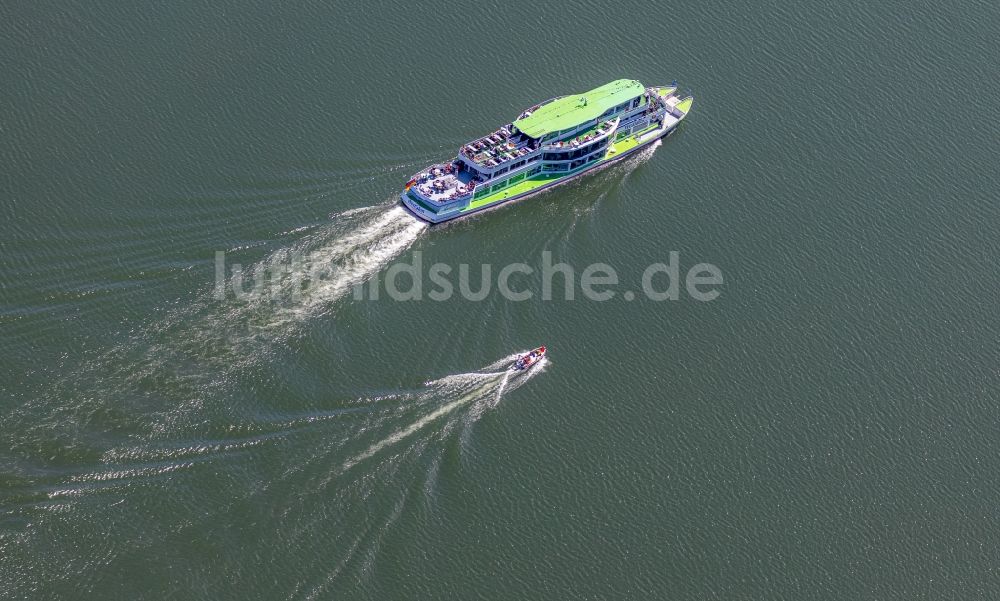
x=596, y=133
x=496, y=155
x=426, y=189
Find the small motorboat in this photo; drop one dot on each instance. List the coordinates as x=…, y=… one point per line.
x=525, y=361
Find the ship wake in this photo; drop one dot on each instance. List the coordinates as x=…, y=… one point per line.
x=306, y=279
x=365, y=461
x=198, y=349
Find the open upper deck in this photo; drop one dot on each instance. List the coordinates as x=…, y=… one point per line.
x=499, y=147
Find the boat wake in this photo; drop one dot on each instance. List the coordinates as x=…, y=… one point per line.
x=296, y=283
x=382, y=423
x=479, y=390
x=365, y=460
x=325, y=267
x=168, y=369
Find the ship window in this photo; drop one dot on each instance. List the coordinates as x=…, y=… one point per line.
x=635, y=103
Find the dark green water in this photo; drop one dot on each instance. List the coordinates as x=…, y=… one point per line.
x=826, y=429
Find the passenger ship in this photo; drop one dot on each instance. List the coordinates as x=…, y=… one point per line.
x=548, y=144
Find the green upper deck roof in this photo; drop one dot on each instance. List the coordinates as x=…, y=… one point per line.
x=574, y=109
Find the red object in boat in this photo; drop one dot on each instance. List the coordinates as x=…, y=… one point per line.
x=526, y=361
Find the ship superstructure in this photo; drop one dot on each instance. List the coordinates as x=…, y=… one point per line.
x=549, y=143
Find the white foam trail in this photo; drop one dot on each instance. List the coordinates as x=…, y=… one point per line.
x=100, y=482
x=319, y=276
x=503, y=385
x=482, y=389
x=303, y=280
x=350, y=212
x=417, y=425
x=381, y=244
